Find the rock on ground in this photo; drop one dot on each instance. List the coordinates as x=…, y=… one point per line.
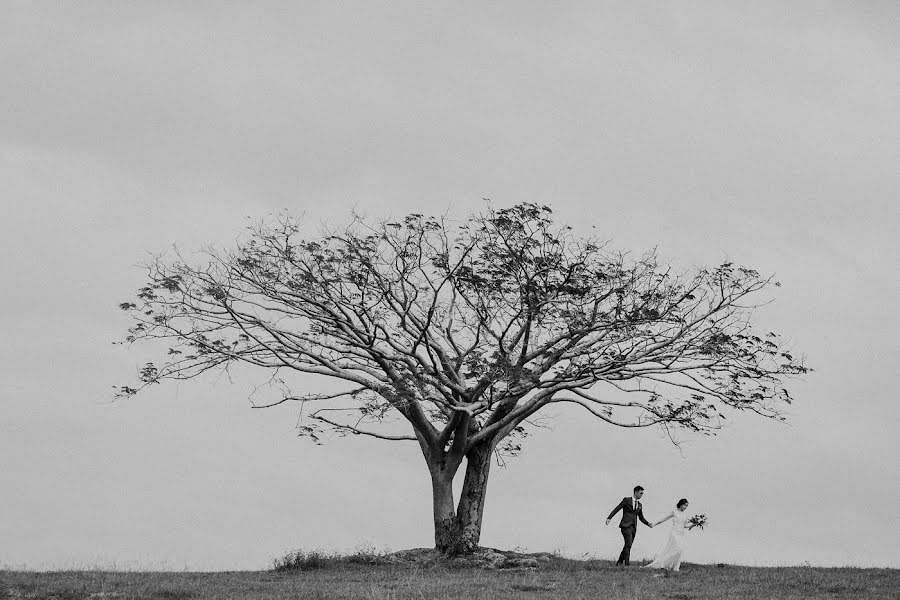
x=483, y=558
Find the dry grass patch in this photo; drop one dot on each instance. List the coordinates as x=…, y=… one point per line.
x=558, y=578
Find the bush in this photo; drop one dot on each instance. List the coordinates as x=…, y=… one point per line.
x=301, y=560
x=310, y=560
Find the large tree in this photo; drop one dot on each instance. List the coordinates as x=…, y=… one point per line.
x=454, y=335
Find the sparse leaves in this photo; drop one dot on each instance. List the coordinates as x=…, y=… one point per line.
x=495, y=318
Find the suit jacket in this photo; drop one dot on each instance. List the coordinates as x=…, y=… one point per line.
x=629, y=515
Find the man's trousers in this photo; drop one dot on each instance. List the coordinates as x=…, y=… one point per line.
x=628, y=534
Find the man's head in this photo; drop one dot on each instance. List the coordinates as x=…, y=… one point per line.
x=638, y=492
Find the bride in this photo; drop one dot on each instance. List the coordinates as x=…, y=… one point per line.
x=669, y=557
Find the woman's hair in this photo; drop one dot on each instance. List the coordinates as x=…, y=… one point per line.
x=681, y=503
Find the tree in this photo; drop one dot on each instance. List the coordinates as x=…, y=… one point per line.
x=462, y=332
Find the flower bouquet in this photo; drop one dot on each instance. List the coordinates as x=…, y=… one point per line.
x=698, y=521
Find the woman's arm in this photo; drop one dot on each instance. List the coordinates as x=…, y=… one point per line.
x=664, y=519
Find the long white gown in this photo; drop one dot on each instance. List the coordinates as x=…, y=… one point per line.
x=669, y=557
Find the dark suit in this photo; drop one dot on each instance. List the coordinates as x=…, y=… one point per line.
x=628, y=525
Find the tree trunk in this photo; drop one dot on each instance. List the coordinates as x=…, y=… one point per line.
x=446, y=533
x=470, y=511
x=459, y=531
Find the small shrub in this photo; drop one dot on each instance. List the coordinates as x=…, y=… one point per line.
x=365, y=557
x=303, y=560
x=310, y=560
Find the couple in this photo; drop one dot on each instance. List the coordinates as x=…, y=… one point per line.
x=669, y=557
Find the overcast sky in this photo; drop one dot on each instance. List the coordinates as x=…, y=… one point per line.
x=768, y=135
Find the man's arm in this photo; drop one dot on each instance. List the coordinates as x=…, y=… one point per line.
x=641, y=517
x=664, y=519
x=615, y=510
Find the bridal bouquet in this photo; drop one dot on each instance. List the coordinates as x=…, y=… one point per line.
x=698, y=521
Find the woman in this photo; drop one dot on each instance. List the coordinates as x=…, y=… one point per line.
x=669, y=557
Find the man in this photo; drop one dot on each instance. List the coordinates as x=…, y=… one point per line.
x=631, y=512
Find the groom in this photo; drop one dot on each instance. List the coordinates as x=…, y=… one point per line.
x=631, y=512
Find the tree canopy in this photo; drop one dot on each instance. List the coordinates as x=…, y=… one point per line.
x=463, y=331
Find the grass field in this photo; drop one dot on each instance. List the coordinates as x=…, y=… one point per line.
x=597, y=580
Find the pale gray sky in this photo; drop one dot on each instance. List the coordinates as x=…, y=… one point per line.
x=769, y=135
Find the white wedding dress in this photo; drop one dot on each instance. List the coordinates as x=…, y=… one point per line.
x=669, y=557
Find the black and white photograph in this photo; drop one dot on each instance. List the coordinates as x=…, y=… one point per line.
x=400, y=300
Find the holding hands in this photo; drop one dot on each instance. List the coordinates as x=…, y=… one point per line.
x=669, y=557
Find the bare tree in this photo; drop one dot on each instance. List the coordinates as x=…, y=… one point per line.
x=459, y=334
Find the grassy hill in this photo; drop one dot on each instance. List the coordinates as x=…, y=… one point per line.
x=558, y=578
